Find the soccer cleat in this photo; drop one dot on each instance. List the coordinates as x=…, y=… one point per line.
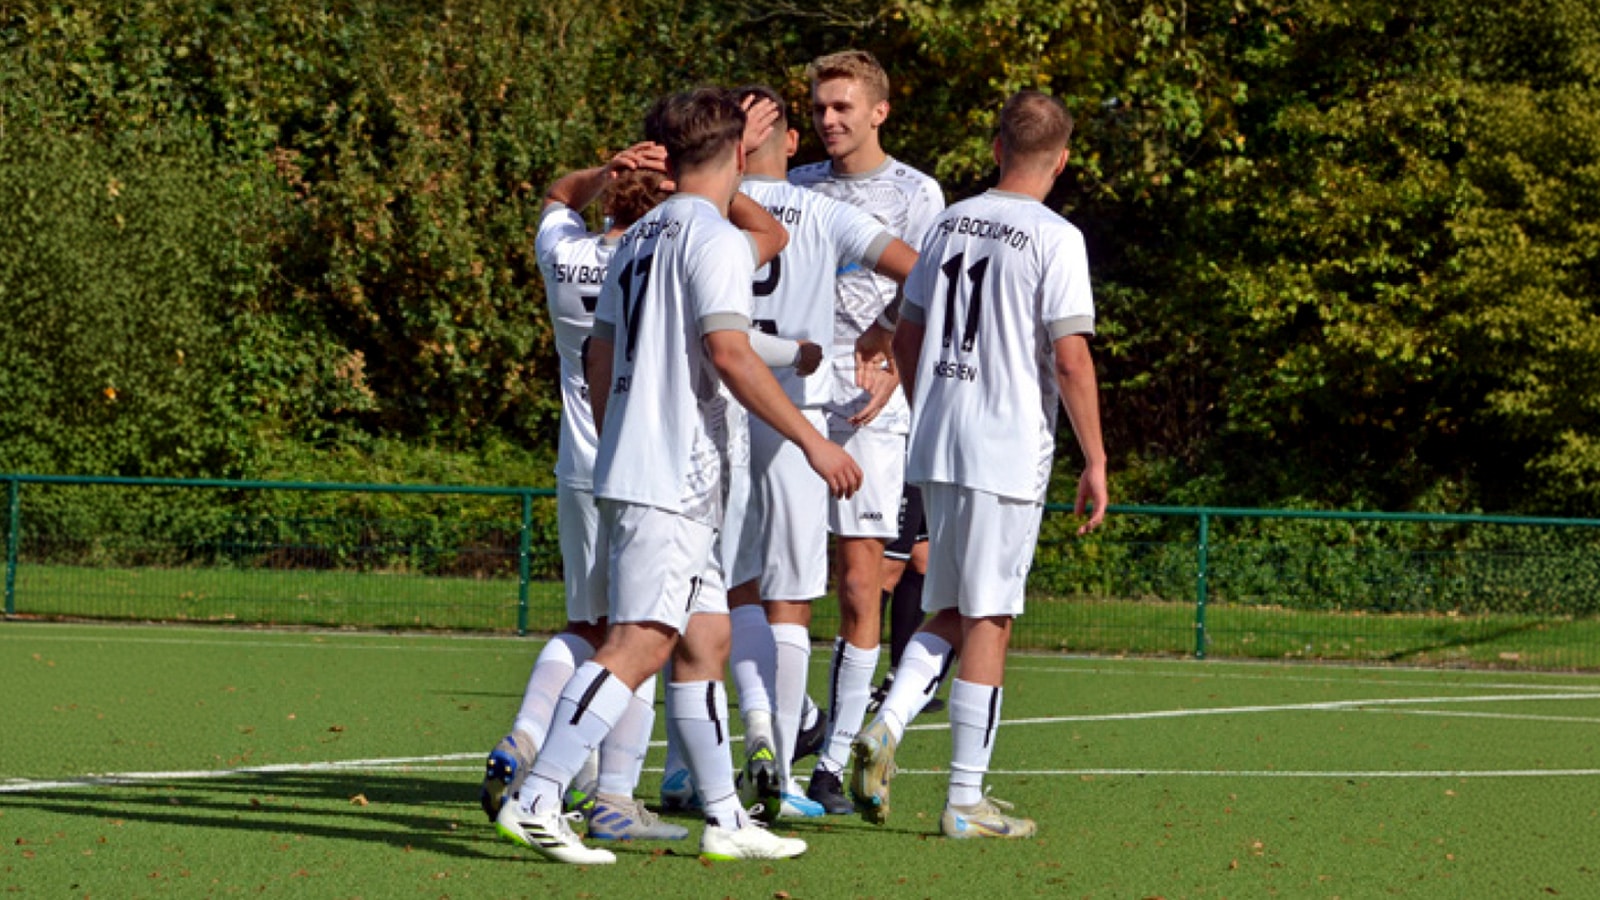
x=580, y=799
x=678, y=793
x=827, y=791
x=797, y=806
x=810, y=740
x=626, y=819
x=759, y=782
x=934, y=705
x=514, y=753
x=985, y=819
x=880, y=693
x=873, y=754
x=750, y=842
x=550, y=835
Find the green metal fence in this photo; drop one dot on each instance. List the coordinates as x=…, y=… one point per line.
x=1206, y=582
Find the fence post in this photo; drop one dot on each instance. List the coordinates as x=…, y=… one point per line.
x=524, y=550
x=1203, y=552
x=14, y=512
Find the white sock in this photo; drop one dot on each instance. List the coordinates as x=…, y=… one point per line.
x=794, y=667
x=851, y=690
x=701, y=710
x=590, y=705
x=922, y=667
x=674, y=760
x=622, y=752
x=974, y=722
x=754, y=659
x=561, y=656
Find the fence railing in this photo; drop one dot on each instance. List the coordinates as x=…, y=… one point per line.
x=1200, y=581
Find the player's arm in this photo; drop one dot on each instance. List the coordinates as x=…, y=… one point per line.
x=907, y=353
x=597, y=370
x=1080, y=396
x=578, y=189
x=752, y=384
x=767, y=235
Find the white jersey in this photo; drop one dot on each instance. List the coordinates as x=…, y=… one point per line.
x=906, y=202
x=793, y=295
x=679, y=272
x=1000, y=279
x=573, y=262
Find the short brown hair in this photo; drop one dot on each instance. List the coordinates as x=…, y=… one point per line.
x=1034, y=122
x=763, y=92
x=855, y=64
x=695, y=126
x=632, y=194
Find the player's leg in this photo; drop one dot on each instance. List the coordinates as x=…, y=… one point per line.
x=581, y=552
x=995, y=552
x=701, y=706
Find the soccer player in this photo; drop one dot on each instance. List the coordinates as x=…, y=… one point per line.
x=849, y=104
x=672, y=322
x=573, y=261
x=993, y=333
x=783, y=558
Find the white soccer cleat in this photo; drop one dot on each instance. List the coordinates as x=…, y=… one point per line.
x=550, y=835
x=512, y=755
x=988, y=818
x=750, y=842
x=873, y=752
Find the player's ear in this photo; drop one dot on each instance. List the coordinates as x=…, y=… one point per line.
x=791, y=142
x=999, y=157
x=880, y=113
x=1061, y=163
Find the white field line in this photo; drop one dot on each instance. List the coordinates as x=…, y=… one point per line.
x=1420, y=682
x=25, y=785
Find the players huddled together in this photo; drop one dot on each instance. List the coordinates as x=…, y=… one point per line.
x=754, y=358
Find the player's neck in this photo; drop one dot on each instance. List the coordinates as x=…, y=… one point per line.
x=1030, y=184
x=861, y=160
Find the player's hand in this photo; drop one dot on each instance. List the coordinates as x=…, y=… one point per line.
x=874, y=348
x=810, y=358
x=879, y=381
x=643, y=155
x=836, y=467
x=1092, y=497
x=760, y=118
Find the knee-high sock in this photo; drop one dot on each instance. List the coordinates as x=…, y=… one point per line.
x=794, y=668
x=701, y=709
x=905, y=613
x=561, y=656
x=974, y=724
x=674, y=760
x=754, y=660
x=850, y=689
x=923, y=666
x=622, y=752
x=590, y=706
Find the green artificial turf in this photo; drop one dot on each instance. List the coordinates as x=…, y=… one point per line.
x=319, y=764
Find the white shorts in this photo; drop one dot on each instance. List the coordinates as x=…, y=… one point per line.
x=980, y=548
x=578, y=522
x=786, y=544
x=662, y=566
x=874, y=511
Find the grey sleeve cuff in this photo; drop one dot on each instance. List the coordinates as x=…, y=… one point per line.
x=875, y=251
x=605, y=331
x=722, y=322
x=1060, y=328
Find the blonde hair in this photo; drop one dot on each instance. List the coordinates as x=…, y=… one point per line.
x=858, y=65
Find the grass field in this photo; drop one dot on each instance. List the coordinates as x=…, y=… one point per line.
x=408, y=601
x=180, y=761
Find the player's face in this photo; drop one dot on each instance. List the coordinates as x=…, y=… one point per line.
x=846, y=117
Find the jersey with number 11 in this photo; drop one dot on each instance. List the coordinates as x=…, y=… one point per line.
x=1000, y=278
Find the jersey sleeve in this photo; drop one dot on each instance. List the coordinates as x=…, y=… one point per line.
x=609, y=303
x=720, y=276
x=558, y=224
x=1066, y=302
x=926, y=205
x=920, y=284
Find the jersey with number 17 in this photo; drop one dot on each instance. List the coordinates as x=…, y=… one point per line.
x=1001, y=277
x=679, y=272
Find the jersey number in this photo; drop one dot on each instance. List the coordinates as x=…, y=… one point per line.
x=632, y=297
x=952, y=276
x=766, y=287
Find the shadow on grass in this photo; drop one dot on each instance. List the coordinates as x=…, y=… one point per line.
x=1459, y=641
